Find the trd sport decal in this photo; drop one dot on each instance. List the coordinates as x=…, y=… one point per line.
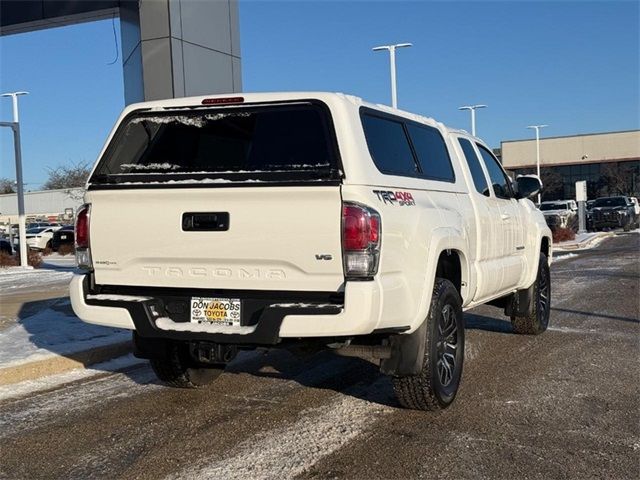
x=400, y=198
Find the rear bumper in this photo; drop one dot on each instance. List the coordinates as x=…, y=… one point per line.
x=266, y=321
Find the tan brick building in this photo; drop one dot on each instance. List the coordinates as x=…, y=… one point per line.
x=609, y=162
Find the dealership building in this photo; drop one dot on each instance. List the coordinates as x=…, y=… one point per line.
x=609, y=162
x=46, y=205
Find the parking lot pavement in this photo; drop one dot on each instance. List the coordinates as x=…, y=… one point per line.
x=561, y=405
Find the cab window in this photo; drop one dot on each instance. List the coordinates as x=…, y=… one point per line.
x=479, y=180
x=389, y=145
x=499, y=180
x=431, y=152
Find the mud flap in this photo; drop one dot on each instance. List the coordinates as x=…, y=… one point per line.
x=407, y=353
x=521, y=304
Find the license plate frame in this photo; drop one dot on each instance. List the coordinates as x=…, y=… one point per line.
x=221, y=311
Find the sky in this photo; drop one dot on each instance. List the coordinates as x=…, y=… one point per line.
x=571, y=65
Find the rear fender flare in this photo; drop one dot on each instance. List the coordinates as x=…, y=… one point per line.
x=443, y=239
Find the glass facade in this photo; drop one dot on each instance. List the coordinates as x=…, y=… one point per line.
x=603, y=179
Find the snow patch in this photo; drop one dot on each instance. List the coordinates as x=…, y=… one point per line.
x=290, y=451
x=29, y=387
x=17, y=278
x=189, y=120
x=304, y=305
x=166, y=323
x=150, y=166
x=560, y=258
x=116, y=298
x=204, y=180
x=53, y=332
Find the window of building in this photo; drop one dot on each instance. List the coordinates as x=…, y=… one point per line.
x=499, y=180
x=479, y=180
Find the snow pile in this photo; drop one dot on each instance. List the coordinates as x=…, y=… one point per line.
x=17, y=278
x=55, y=270
x=54, y=331
x=560, y=258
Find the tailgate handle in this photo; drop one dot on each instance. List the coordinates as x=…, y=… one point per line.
x=205, y=222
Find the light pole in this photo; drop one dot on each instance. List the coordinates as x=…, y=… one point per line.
x=537, y=129
x=472, y=109
x=15, y=126
x=392, y=66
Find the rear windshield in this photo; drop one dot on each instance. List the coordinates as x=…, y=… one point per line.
x=216, y=145
x=610, y=202
x=554, y=206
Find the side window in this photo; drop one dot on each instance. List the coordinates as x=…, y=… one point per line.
x=388, y=145
x=500, y=182
x=479, y=180
x=432, y=152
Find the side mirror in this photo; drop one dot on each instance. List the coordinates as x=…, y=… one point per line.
x=527, y=186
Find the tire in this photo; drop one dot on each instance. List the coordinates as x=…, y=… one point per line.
x=178, y=370
x=435, y=387
x=538, y=321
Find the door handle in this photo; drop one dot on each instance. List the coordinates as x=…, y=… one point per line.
x=505, y=217
x=205, y=222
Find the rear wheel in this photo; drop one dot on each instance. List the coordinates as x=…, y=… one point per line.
x=178, y=369
x=538, y=320
x=435, y=387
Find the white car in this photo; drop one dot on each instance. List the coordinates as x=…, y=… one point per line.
x=38, y=238
x=305, y=218
x=560, y=213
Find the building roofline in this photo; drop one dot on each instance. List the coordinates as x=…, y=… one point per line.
x=570, y=136
x=43, y=191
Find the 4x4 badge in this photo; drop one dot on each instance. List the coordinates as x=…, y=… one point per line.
x=400, y=198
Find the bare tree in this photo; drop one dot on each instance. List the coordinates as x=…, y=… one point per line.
x=553, y=186
x=7, y=186
x=618, y=178
x=67, y=176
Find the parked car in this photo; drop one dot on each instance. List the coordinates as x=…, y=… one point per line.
x=64, y=236
x=560, y=214
x=5, y=246
x=311, y=219
x=38, y=225
x=37, y=238
x=612, y=212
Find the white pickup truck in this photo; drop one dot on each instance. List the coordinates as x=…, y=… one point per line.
x=315, y=219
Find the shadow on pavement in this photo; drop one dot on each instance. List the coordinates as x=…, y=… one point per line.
x=50, y=326
x=595, y=314
x=490, y=324
x=324, y=370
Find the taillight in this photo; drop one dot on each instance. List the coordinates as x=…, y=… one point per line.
x=360, y=240
x=83, y=248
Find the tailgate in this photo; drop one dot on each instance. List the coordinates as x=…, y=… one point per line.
x=277, y=238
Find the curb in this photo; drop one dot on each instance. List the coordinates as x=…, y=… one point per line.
x=63, y=363
x=585, y=244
